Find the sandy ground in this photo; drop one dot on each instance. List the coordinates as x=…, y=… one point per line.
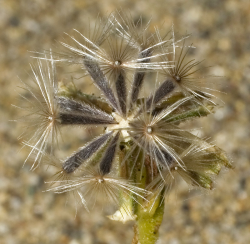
x=221, y=33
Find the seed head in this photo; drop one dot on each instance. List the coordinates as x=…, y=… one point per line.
x=140, y=132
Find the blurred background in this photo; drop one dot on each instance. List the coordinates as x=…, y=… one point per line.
x=221, y=32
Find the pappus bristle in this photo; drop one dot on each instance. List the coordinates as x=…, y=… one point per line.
x=86, y=43
x=138, y=34
x=118, y=60
x=93, y=184
x=42, y=109
x=184, y=74
x=161, y=140
x=201, y=164
x=150, y=49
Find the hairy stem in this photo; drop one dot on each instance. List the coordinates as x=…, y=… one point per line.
x=148, y=222
x=149, y=214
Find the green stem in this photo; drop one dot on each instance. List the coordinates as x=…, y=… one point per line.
x=149, y=214
x=148, y=222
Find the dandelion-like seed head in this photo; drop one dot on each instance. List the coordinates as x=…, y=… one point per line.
x=142, y=147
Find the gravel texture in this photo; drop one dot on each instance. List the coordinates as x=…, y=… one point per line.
x=221, y=32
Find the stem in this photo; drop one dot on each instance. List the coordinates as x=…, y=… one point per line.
x=148, y=222
x=149, y=214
